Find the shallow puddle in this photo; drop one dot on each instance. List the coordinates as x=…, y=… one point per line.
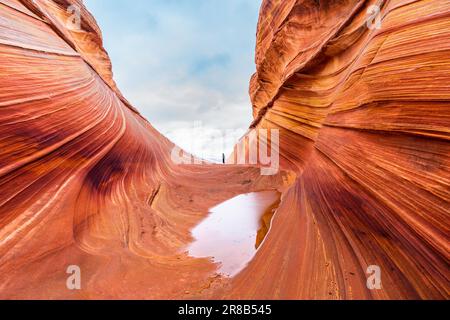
x=234, y=230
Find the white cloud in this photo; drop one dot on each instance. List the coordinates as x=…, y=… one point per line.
x=181, y=62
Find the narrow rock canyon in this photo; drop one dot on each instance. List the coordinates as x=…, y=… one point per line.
x=363, y=113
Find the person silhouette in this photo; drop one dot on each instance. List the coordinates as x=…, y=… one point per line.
x=223, y=158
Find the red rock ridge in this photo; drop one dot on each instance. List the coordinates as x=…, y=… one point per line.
x=364, y=122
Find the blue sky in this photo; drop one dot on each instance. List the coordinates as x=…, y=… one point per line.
x=183, y=62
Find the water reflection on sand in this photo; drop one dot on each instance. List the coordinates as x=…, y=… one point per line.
x=234, y=230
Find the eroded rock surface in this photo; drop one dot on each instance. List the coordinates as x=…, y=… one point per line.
x=364, y=121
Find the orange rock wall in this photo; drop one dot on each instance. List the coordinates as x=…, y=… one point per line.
x=364, y=117
x=364, y=122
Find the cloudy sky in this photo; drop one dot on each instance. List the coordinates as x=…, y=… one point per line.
x=185, y=64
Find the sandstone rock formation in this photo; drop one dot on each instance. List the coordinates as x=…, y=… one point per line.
x=364, y=121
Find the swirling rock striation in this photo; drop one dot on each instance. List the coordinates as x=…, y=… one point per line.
x=364, y=121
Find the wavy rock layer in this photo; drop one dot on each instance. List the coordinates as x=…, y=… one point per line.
x=364, y=118
x=364, y=121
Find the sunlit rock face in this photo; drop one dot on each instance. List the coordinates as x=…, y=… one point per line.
x=85, y=181
x=363, y=114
